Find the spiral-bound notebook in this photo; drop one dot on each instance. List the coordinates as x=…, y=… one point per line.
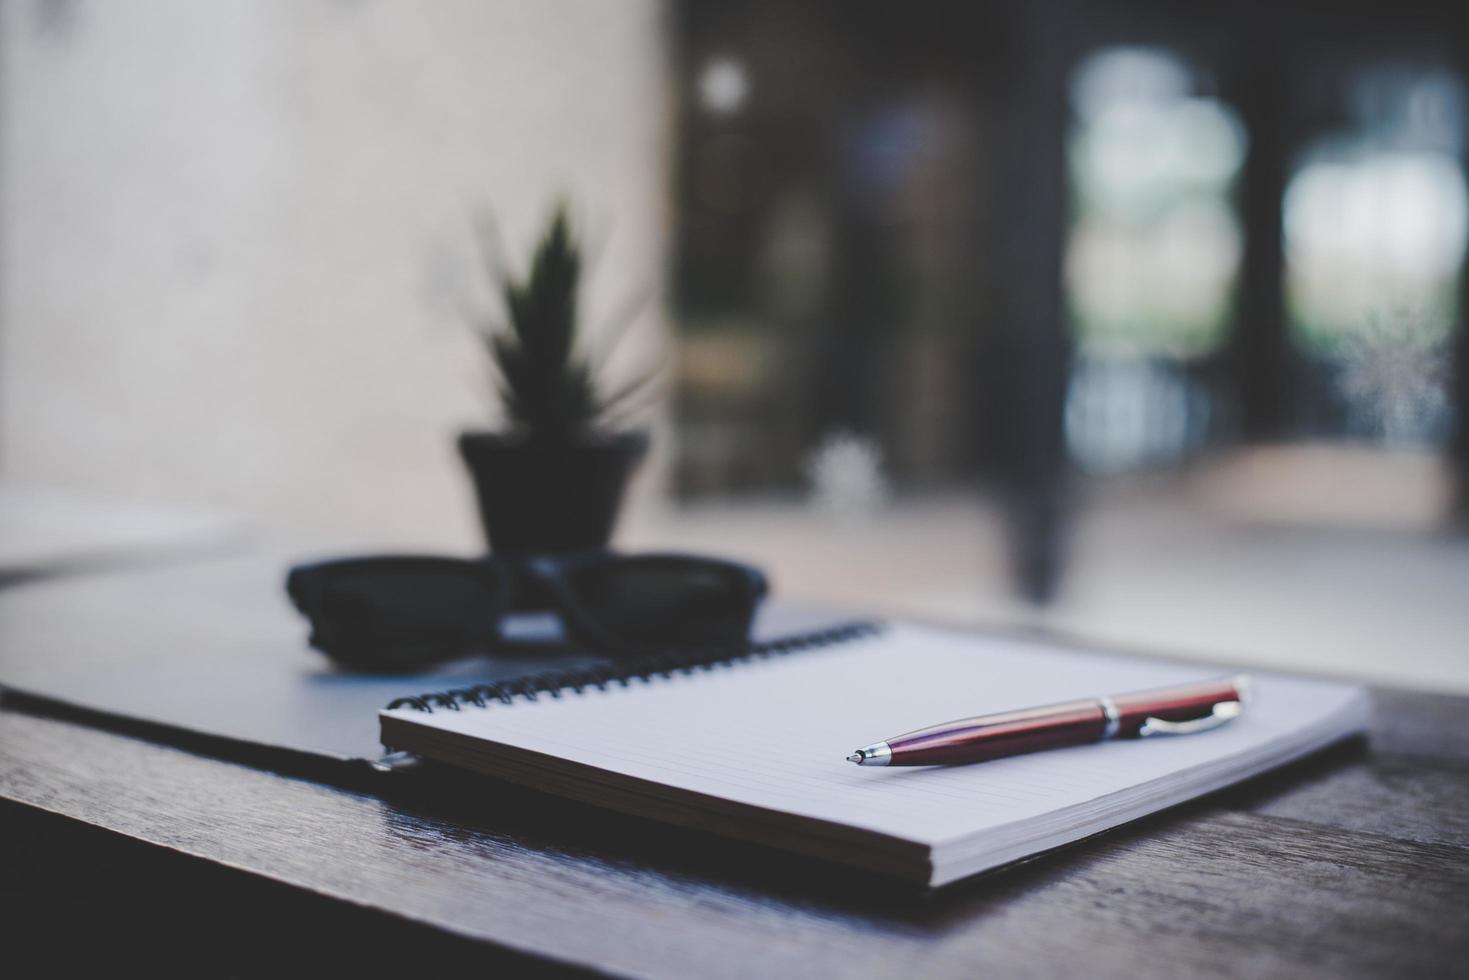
x=754, y=748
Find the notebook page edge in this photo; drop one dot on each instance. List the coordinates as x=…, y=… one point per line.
x=1350, y=719
x=840, y=843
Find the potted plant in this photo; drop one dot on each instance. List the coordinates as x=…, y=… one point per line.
x=553, y=479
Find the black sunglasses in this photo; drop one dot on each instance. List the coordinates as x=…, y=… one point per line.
x=390, y=613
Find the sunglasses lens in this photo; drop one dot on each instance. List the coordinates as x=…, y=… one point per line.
x=394, y=613
x=669, y=601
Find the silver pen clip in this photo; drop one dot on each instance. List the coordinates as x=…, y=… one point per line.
x=1223, y=713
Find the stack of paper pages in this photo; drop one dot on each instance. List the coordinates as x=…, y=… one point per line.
x=756, y=749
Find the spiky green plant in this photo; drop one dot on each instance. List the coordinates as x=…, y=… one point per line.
x=545, y=382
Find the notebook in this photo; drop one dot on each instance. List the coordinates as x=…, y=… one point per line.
x=209, y=646
x=754, y=748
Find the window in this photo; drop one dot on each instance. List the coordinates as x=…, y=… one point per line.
x=1375, y=218
x=1152, y=255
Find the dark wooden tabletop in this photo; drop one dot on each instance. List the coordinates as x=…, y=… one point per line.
x=116, y=844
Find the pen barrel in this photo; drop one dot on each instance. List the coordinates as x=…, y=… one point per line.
x=1182, y=703
x=1007, y=733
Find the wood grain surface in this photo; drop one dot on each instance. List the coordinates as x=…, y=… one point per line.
x=1352, y=863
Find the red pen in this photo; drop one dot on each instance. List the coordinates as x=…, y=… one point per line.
x=1180, y=710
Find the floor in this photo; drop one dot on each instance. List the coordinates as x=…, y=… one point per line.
x=1219, y=566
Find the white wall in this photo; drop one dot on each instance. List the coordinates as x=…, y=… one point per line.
x=236, y=234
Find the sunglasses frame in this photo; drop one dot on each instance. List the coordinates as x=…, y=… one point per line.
x=554, y=575
x=540, y=583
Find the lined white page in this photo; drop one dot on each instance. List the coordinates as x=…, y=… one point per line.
x=774, y=733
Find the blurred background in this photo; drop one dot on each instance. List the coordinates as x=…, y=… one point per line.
x=1122, y=318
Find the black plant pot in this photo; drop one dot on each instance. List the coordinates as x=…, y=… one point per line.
x=539, y=497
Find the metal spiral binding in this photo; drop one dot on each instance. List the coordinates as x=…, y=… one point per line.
x=556, y=682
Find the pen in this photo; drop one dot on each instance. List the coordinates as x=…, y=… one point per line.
x=1179, y=710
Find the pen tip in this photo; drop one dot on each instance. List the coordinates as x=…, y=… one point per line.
x=855, y=757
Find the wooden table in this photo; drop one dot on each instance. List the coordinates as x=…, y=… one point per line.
x=124, y=849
